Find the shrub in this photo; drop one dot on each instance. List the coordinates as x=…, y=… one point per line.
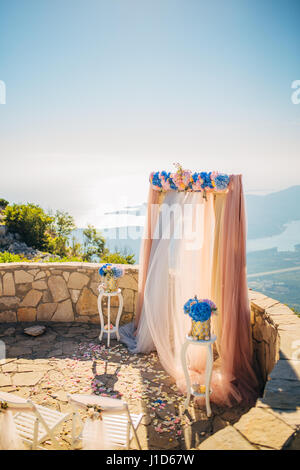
x=30, y=222
x=65, y=259
x=7, y=257
x=118, y=258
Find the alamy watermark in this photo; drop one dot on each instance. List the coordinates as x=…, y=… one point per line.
x=164, y=221
x=2, y=92
x=295, y=97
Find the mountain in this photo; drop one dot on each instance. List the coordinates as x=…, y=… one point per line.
x=268, y=214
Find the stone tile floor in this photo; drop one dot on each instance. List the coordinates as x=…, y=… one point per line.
x=68, y=358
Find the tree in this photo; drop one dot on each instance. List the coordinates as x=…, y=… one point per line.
x=94, y=244
x=61, y=227
x=30, y=222
x=3, y=203
x=76, y=248
x=64, y=223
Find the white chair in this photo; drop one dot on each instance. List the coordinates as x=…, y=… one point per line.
x=34, y=423
x=119, y=424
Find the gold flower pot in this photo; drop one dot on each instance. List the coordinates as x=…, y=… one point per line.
x=200, y=330
x=110, y=284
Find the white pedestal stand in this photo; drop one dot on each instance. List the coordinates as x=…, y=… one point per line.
x=209, y=366
x=115, y=329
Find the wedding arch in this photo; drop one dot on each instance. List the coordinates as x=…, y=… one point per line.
x=195, y=243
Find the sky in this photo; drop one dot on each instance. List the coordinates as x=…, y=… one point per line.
x=101, y=93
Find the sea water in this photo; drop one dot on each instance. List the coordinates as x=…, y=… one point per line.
x=285, y=241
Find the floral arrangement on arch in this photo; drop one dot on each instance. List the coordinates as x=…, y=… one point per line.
x=186, y=180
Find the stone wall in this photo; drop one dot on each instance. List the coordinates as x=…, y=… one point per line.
x=59, y=292
x=265, y=336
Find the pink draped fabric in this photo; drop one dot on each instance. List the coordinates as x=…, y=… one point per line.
x=235, y=343
x=154, y=198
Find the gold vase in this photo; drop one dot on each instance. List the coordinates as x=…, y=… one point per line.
x=200, y=330
x=110, y=284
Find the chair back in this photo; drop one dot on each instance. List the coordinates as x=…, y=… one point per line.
x=16, y=403
x=108, y=405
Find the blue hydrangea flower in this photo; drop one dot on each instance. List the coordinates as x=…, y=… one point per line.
x=221, y=181
x=117, y=272
x=169, y=179
x=165, y=175
x=206, y=180
x=200, y=311
x=156, y=180
x=195, y=177
x=172, y=184
x=103, y=270
x=187, y=306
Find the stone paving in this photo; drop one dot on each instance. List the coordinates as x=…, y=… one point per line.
x=68, y=358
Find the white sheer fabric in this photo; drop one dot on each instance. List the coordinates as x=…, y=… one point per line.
x=179, y=268
x=95, y=436
x=9, y=439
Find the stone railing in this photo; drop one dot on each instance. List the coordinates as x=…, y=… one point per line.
x=265, y=335
x=274, y=422
x=59, y=292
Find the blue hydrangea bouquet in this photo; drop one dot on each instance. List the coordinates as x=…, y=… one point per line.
x=200, y=312
x=110, y=274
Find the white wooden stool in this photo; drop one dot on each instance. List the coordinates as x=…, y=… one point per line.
x=209, y=366
x=115, y=329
